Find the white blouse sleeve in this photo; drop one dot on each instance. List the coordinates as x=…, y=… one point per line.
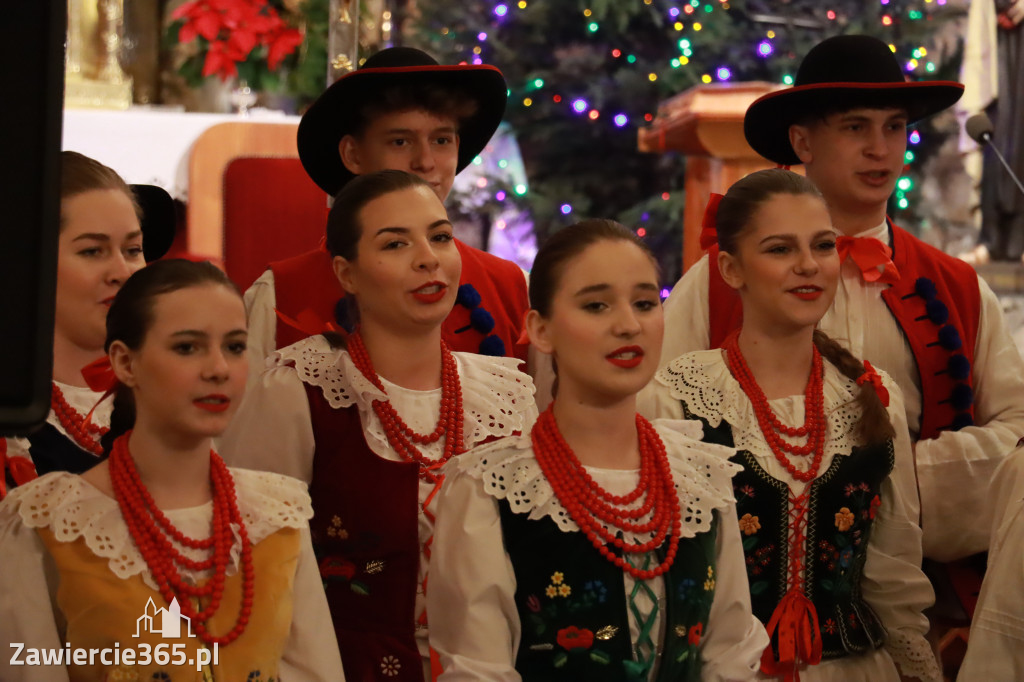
x=896, y=588
x=272, y=430
x=28, y=611
x=996, y=648
x=904, y=473
x=311, y=652
x=474, y=624
x=732, y=649
x=956, y=468
x=260, y=301
x=686, y=314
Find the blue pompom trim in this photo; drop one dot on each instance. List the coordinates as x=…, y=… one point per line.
x=937, y=311
x=961, y=420
x=492, y=345
x=481, y=320
x=468, y=296
x=959, y=367
x=949, y=338
x=925, y=288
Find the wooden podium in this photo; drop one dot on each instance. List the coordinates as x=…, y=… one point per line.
x=706, y=123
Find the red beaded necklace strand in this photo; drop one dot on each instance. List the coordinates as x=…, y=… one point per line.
x=815, y=425
x=402, y=438
x=149, y=528
x=595, y=510
x=83, y=432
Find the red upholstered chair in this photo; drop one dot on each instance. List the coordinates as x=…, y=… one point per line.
x=250, y=202
x=272, y=210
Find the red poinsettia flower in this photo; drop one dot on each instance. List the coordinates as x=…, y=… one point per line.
x=695, y=633
x=282, y=45
x=573, y=637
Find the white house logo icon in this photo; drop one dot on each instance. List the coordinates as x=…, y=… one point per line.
x=163, y=622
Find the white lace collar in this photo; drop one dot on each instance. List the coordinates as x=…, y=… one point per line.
x=74, y=509
x=703, y=382
x=496, y=397
x=701, y=471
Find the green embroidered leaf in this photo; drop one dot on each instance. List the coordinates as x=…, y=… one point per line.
x=359, y=588
x=827, y=585
x=600, y=657
x=749, y=543
x=683, y=655
x=758, y=587
x=560, y=659
x=842, y=541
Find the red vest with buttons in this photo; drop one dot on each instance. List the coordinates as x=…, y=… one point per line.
x=927, y=276
x=306, y=283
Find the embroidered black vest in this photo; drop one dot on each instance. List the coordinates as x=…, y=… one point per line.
x=572, y=605
x=51, y=450
x=366, y=539
x=841, y=509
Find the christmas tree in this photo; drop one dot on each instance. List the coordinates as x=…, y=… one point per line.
x=583, y=75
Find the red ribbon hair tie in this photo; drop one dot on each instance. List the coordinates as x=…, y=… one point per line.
x=99, y=375
x=708, y=232
x=871, y=376
x=309, y=323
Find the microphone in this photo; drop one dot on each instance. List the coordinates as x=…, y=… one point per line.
x=979, y=127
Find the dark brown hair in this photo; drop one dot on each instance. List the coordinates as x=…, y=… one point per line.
x=131, y=316
x=740, y=203
x=874, y=425
x=343, y=221
x=79, y=173
x=565, y=245
x=440, y=100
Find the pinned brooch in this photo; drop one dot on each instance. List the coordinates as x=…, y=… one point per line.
x=871, y=376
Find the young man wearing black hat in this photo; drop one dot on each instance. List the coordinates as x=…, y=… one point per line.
x=401, y=111
x=923, y=316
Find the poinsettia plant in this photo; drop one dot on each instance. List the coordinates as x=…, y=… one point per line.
x=247, y=39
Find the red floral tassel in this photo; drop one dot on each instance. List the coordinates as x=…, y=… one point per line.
x=795, y=620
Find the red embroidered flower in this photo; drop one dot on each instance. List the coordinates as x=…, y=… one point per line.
x=573, y=637
x=695, y=632
x=334, y=567
x=829, y=626
x=876, y=502
x=533, y=603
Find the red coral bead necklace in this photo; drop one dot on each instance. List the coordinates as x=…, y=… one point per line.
x=815, y=425
x=595, y=510
x=150, y=528
x=86, y=434
x=400, y=436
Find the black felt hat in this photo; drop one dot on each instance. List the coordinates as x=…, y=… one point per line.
x=851, y=70
x=158, y=222
x=335, y=113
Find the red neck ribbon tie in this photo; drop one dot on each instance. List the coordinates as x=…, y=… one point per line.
x=872, y=256
x=796, y=621
x=309, y=323
x=708, y=233
x=871, y=376
x=21, y=469
x=100, y=377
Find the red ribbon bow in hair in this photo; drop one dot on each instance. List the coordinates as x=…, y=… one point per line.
x=871, y=376
x=708, y=233
x=869, y=254
x=524, y=335
x=796, y=622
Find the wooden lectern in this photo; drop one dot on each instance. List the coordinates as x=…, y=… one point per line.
x=706, y=123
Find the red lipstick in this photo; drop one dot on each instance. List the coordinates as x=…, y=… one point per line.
x=634, y=355
x=430, y=296
x=807, y=293
x=213, y=402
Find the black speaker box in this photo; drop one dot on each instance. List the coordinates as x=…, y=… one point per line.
x=31, y=99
